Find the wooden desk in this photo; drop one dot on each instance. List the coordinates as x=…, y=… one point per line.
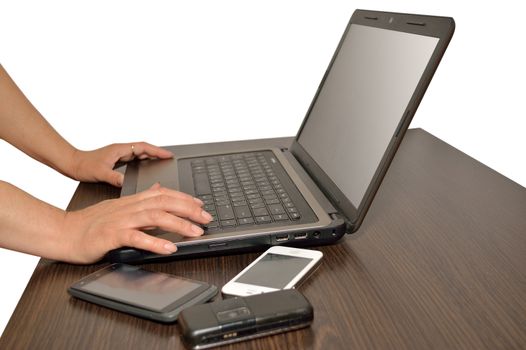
x=440, y=263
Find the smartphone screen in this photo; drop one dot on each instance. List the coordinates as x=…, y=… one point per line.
x=135, y=286
x=274, y=270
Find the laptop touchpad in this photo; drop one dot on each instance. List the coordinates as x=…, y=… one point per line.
x=156, y=170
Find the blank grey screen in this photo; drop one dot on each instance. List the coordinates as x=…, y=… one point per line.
x=362, y=102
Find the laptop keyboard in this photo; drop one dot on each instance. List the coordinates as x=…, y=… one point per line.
x=241, y=189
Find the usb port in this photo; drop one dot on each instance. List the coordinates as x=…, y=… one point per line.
x=300, y=235
x=282, y=238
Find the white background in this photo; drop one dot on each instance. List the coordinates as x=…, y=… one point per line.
x=115, y=71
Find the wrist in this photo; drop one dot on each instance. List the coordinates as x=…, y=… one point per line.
x=68, y=241
x=72, y=164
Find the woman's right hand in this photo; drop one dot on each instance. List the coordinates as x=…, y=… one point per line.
x=91, y=232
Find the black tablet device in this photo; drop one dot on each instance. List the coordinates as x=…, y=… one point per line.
x=133, y=290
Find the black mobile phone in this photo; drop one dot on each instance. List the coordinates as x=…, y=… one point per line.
x=241, y=318
x=131, y=289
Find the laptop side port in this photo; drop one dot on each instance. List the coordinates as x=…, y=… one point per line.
x=282, y=237
x=300, y=235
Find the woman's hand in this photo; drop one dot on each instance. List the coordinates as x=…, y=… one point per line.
x=97, y=165
x=91, y=232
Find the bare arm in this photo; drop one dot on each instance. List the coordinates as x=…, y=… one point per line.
x=25, y=128
x=28, y=224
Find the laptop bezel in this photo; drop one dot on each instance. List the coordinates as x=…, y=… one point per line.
x=439, y=27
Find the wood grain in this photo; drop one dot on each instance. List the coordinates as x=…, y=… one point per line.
x=438, y=263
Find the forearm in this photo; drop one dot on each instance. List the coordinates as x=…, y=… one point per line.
x=29, y=225
x=25, y=128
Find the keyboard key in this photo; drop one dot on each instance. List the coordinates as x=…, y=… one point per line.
x=295, y=216
x=239, y=204
x=242, y=212
x=212, y=224
x=226, y=223
x=246, y=221
x=202, y=186
x=225, y=212
x=260, y=211
x=276, y=209
x=270, y=196
x=272, y=201
x=257, y=205
x=263, y=219
x=292, y=210
x=255, y=200
x=209, y=207
x=280, y=217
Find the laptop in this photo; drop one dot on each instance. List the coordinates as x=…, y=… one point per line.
x=320, y=187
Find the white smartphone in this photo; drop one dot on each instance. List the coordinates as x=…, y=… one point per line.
x=278, y=268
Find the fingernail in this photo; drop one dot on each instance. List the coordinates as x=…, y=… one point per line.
x=170, y=247
x=206, y=215
x=200, y=202
x=198, y=230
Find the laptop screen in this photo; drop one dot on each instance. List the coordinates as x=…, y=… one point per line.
x=361, y=103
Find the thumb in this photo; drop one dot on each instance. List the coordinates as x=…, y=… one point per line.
x=155, y=186
x=113, y=178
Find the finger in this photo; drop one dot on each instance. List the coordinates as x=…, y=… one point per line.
x=129, y=203
x=164, y=221
x=144, y=150
x=141, y=240
x=157, y=190
x=181, y=207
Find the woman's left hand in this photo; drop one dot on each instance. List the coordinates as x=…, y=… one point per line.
x=97, y=165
